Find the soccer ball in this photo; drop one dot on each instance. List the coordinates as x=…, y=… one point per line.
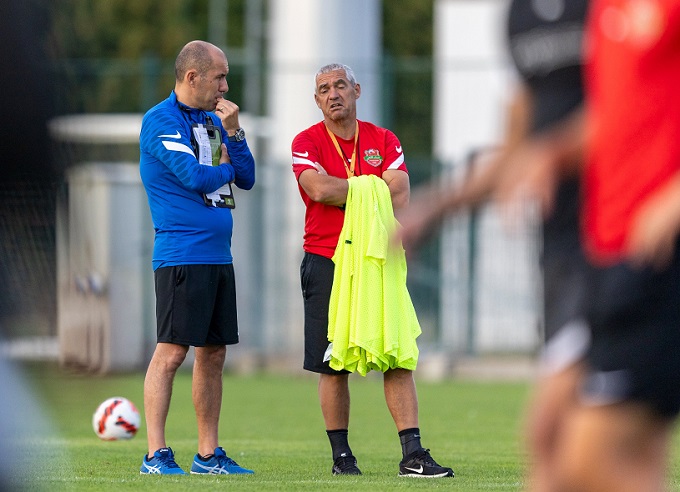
x=115, y=419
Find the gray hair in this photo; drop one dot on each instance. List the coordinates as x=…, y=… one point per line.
x=331, y=67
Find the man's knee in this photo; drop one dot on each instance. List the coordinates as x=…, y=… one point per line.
x=398, y=376
x=608, y=445
x=340, y=379
x=170, y=355
x=211, y=355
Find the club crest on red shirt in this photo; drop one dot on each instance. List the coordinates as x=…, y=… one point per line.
x=373, y=157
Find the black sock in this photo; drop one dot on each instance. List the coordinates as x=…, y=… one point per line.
x=206, y=457
x=339, y=443
x=410, y=441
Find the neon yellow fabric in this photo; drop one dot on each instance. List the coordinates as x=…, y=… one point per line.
x=372, y=324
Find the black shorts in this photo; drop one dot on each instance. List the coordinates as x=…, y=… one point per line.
x=564, y=265
x=565, y=269
x=566, y=333
x=196, y=305
x=634, y=315
x=316, y=278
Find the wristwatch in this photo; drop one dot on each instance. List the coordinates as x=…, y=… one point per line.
x=238, y=136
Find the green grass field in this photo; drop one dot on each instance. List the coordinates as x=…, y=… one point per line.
x=273, y=425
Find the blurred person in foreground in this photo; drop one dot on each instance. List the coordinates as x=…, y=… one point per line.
x=618, y=436
x=28, y=433
x=615, y=432
x=542, y=144
x=349, y=171
x=192, y=149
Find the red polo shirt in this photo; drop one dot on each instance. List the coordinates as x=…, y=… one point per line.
x=378, y=150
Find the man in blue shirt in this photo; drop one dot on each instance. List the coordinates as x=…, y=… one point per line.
x=192, y=149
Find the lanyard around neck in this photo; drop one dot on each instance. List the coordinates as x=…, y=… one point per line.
x=353, y=160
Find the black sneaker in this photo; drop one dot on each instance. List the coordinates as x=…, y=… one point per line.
x=421, y=464
x=346, y=465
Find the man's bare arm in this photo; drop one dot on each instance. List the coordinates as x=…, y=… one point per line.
x=322, y=188
x=400, y=187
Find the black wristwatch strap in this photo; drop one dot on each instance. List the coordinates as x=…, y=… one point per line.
x=238, y=136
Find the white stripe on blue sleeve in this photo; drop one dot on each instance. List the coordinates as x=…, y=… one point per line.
x=177, y=147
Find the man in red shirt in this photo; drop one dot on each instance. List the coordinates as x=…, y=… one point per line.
x=616, y=421
x=618, y=434
x=325, y=156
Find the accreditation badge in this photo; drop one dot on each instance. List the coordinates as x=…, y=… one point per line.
x=207, y=140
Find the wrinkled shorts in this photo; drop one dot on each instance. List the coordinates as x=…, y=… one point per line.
x=196, y=305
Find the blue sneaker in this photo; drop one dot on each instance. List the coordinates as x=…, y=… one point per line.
x=218, y=464
x=162, y=463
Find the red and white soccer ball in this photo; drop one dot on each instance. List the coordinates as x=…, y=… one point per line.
x=116, y=419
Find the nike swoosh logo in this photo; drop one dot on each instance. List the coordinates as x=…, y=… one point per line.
x=302, y=154
x=416, y=470
x=177, y=135
x=398, y=149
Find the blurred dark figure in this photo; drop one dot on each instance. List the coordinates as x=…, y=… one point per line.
x=27, y=204
x=539, y=159
x=29, y=176
x=26, y=87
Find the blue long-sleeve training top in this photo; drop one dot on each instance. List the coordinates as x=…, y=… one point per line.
x=187, y=231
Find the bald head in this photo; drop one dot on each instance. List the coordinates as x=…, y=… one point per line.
x=196, y=55
x=201, y=71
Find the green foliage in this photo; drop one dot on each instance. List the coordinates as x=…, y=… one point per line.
x=408, y=42
x=126, y=29
x=408, y=29
x=118, y=56
x=131, y=29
